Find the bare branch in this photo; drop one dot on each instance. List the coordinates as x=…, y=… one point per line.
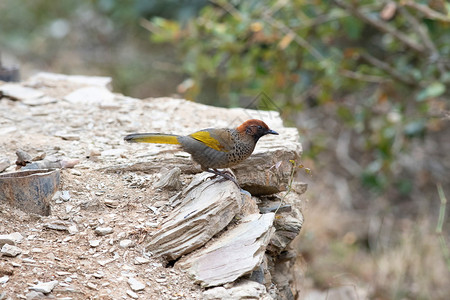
x=428, y=12
x=382, y=26
x=423, y=33
x=388, y=69
x=297, y=38
x=361, y=77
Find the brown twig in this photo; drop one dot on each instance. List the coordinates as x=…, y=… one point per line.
x=426, y=11
x=382, y=26
x=423, y=33
x=388, y=69
x=361, y=77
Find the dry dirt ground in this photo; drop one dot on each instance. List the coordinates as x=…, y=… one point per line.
x=86, y=265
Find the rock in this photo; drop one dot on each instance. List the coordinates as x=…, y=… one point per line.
x=67, y=136
x=4, y=279
x=235, y=253
x=73, y=229
x=75, y=172
x=92, y=286
x=90, y=95
x=19, y=92
x=111, y=203
x=101, y=231
x=132, y=294
x=141, y=260
x=33, y=295
x=12, y=238
x=64, y=196
x=207, y=207
x=23, y=157
x=245, y=289
x=287, y=228
x=45, y=77
x=126, y=244
x=135, y=284
x=4, y=163
x=268, y=169
x=44, y=287
x=10, y=250
x=57, y=225
x=99, y=274
x=94, y=243
x=39, y=101
x=170, y=179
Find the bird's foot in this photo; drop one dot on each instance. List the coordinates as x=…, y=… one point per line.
x=225, y=174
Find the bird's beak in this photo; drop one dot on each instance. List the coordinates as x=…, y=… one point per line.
x=270, y=131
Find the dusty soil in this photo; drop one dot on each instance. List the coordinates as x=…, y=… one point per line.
x=124, y=201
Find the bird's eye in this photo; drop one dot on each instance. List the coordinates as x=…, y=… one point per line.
x=259, y=127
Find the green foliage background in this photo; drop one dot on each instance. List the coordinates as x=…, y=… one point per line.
x=387, y=79
x=367, y=83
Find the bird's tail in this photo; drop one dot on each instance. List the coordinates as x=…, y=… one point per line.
x=155, y=138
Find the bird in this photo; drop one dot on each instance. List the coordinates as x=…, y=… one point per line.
x=213, y=148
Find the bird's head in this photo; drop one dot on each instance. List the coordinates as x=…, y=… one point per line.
x=255, y=128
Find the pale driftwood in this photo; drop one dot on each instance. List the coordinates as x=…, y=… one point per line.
x=207, y=207
x=246, y=289
x=236, y=253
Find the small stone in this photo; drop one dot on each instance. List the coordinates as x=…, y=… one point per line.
x=126, y=244
x=98, y=274
x=170, y=179
x=4, y=163
x=73, y=229
x=92, y=286
x=56, y=226
x=94, y=152
x=33, y=295
x=12, y=238
x=67, y=136
x=10, y=250
x=23, y=157
x=135, y=284
x=75, y=172
x=90, y=95
x=141, y=260
x=101, y=231
x=4, y=279
x=69, y=208
x=36, y=250
x=111, y=203
x=132, y=294
x=94, y=243
x=44, y=287
x=19, y=92
x=64, y=196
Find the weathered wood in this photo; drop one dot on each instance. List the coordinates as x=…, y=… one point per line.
x=207, y=207
x=235, y=253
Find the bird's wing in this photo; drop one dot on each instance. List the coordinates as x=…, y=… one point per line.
x=206, y=138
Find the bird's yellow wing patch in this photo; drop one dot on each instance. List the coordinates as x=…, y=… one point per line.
x=206, y=138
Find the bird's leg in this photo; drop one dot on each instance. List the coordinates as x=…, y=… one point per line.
x=226, y=175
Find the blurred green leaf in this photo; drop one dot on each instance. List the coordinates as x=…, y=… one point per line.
x=435, y=89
